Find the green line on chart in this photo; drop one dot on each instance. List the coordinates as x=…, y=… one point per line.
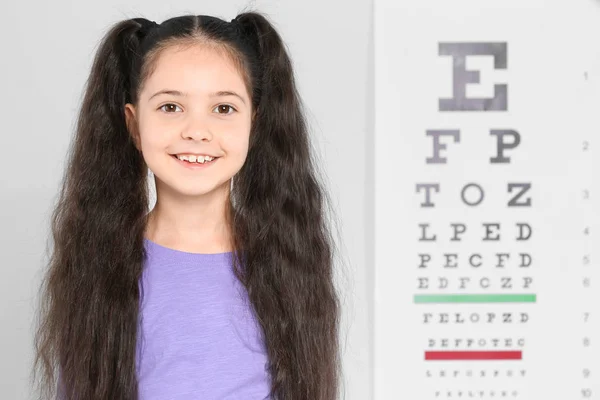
x=474, y=298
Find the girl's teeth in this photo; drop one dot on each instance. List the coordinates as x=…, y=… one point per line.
x=194, y=159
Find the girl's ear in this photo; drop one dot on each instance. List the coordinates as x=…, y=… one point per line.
x=131, y=122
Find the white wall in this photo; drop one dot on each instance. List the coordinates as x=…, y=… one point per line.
x=47, y=49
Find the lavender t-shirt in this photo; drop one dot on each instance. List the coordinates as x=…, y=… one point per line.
x=198, y=337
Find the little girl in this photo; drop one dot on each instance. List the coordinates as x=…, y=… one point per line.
x=225, y=289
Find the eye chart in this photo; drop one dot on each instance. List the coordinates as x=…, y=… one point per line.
x=487, y=199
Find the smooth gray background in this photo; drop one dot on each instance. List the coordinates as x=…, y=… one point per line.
x=47, y=49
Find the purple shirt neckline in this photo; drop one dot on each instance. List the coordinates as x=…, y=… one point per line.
x=187, y=256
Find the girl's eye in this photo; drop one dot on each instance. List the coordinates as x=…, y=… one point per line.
x=225, y=106
x=169, y=104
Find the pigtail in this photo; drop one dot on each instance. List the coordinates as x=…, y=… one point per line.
x=295, y=297
x=91, y=290
x=275, y=80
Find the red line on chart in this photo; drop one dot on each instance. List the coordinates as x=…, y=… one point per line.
x=473, y=355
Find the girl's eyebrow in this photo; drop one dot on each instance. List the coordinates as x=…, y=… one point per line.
x=220, y=93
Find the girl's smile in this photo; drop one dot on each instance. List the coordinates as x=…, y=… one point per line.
x=195, y=165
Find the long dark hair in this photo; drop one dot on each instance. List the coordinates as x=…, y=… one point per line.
x=90, y=295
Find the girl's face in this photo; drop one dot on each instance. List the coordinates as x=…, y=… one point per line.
x=194, y=103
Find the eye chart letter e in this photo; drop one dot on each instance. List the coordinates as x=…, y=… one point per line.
x=461, y=77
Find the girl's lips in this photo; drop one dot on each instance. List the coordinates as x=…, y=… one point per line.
x=195, y=165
